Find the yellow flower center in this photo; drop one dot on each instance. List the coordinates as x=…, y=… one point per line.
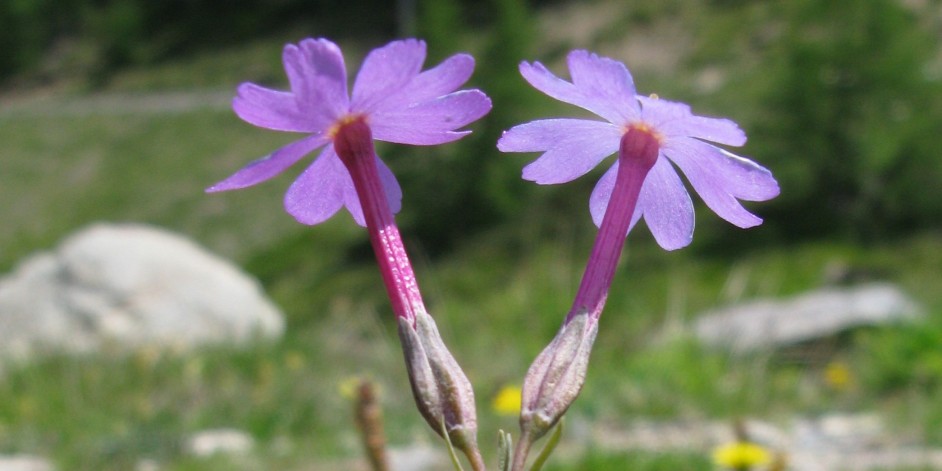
x=645, y=128
x=344, y=120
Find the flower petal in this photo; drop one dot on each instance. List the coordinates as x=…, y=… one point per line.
x=318, y=80
x=351, y=201
x=391, y=185
x=573, y=147
x=433, y=83
x=431, y=122
x=385, y=71
x=720, y=177
x=607, y=83
x=582, y=94
x=319, y=191
x=271, y=109
x=267, y=167
x=739, y=176
x=674, y=119
x=326, y=186
x=666, y=206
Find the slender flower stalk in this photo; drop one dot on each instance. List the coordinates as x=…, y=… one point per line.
x=354, y=145
x=636, y=155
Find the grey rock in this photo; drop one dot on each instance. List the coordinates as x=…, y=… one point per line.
x=219, y=441
x=24, y=463
x=769, y=324
x=418, y=457
x=833, y=442
x=130, y=286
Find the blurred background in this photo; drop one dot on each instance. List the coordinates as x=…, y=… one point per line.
x=117, y=110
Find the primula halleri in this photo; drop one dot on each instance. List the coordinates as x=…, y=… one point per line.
x=398, y=101
x=648, y=134
x=393, y=101
x=572, y=147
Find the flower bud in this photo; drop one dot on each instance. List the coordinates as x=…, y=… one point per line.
x=442, y=392
x=556, y=376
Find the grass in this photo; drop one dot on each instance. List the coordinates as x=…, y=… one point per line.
x=111, y=411
x=639, y=460
x=498, y=297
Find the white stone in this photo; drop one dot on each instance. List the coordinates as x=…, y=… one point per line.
x=129, y=285
x=219, y=441
x=767, y=324
x=24, y=463
x=834, y=442
x=418, y=457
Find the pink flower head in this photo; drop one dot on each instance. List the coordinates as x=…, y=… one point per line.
x=399, y=102
x=572, y=147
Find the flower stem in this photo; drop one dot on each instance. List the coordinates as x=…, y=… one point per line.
x=522, y=451
x=636, y=156
x=354, y=145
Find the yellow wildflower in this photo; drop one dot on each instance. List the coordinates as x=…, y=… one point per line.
x=837, y=375
x=741, y=455
x=507, y=401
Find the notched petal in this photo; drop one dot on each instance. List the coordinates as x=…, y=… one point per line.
x=739, y=176
x=269, y=166
x=600, y=101
x=385, y=71
x=606, y=80
x=720, y=177
x=666, y=207
x=270, y=109
x=318, y=78
x=318, y=193
x=440, y=80
x=433, y=121
x=675, y=119
x=573, y=147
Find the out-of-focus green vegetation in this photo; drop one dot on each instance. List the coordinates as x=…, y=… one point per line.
x=840, y=100
x=852, y=99
x=639, y=460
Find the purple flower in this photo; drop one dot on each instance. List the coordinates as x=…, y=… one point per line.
x=398, y=101
x=572, y=147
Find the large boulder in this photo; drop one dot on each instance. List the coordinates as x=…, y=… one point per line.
x=774, y=323
x=130, y=285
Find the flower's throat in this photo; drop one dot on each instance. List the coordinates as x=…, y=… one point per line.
x=352, y=137
x=639, y=145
